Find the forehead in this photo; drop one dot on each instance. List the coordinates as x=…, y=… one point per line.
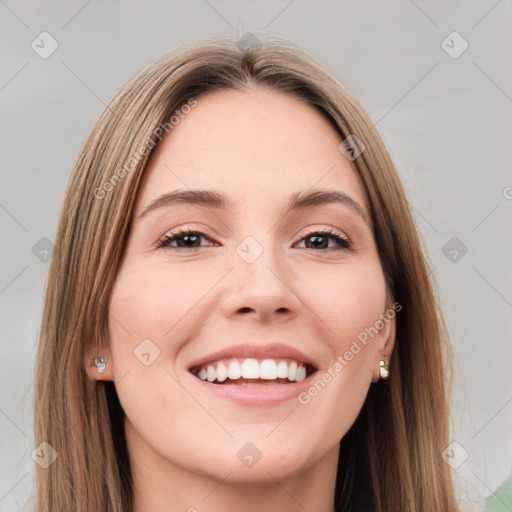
x=255, y=145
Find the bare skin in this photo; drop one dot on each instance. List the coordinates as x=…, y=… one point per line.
x=198, y=295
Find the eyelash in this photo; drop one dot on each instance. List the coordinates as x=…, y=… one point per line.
x=164, y=242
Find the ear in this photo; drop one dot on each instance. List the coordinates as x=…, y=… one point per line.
x=385, y=340
x=94, y=351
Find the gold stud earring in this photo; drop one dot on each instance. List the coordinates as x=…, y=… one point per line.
x=383, y=368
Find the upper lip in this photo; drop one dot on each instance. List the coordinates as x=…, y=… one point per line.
x=268, y=351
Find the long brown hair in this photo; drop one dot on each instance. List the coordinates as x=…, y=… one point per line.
x=390, y=460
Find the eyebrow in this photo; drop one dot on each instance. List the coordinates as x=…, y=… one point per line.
x=301, y=200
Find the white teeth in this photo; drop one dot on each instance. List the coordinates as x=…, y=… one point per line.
x=301, y=373
x=292, y=371
x=222, y=372
x=234, y=370
x=211, y=374
x=267, y=369
x=250, y=369
x=282, y=370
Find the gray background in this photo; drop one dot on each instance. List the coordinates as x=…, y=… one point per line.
x=446, y=121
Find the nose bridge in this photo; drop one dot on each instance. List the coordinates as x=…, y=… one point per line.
x=257, y=259
x=258, y=247
x=259, y=280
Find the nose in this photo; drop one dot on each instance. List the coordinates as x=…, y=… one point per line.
x=262, y=289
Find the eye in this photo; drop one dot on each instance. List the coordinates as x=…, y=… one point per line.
x=320, y=240
x=190, y=240
x=186, y=239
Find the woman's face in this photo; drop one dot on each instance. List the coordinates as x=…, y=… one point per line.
x=251, y=273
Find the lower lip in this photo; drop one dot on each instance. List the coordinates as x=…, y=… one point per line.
x=260, y=394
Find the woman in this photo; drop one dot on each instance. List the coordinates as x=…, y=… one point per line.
x=239, y=314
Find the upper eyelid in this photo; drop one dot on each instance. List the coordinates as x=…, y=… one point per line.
x=328, y=231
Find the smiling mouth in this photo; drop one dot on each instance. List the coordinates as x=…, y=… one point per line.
x=253, y=372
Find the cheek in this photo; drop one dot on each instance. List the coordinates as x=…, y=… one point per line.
x=348, y=301
x=151, y=317
x=153, y=300
x=146, y=309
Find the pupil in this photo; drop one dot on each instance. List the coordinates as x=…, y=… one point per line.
x=316, y=239
x=190, y=238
